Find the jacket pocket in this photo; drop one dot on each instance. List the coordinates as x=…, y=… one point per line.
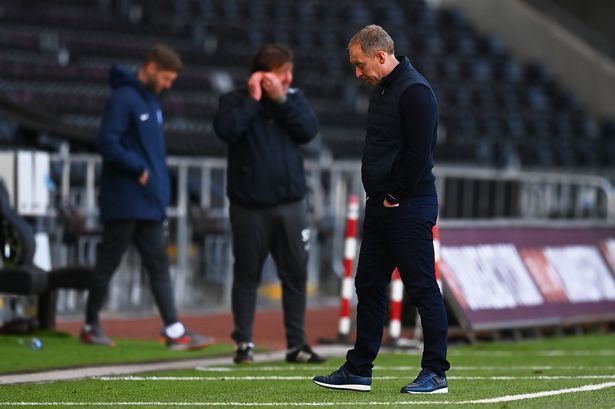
x=151, y=188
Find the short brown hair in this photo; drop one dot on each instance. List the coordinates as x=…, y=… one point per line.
x=271, y=56
x=165, y=58
x=373, y=38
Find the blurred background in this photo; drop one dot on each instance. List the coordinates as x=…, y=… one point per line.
x=525, y=152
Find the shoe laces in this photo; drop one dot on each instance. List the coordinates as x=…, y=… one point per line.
x=343, y=372
x=423, y=376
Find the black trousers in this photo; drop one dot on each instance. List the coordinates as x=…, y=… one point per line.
x=149, y=238
x=281, y=230
x=398, y=237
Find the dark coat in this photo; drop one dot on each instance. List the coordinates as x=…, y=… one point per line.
x=265, y=161
x=401, y=135
x=131, y=140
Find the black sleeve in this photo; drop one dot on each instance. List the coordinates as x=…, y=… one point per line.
x=234, y=116
x=298, y=117
x=418, y=112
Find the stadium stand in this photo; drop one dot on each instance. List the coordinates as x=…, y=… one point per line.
x=498, y=118
x=494, y=111
x=589, y=20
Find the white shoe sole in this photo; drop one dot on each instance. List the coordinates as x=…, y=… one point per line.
x=350, y=387
x=443, y=390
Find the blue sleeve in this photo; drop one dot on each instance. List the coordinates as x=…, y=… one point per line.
x=419, y=116
x=234, y=116
x=298, y=118
x=114, y=127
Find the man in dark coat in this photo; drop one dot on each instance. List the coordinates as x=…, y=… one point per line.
x=135, y=192
x=401, y=210
x=264, y=126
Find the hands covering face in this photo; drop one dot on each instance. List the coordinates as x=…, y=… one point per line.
x=254, y=85
x=265, y=83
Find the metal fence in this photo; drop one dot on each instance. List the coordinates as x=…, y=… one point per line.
x=478, y=193
x=199, y=233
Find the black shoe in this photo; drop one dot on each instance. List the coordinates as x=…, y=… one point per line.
x=304, y=354
x=244, y=353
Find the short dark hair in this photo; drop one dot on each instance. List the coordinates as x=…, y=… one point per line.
x=271, y=56
x=165, y=58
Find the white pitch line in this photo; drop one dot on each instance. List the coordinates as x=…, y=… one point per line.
x=219, y=378
x=526, y=368
x=53, y=375
x=501, y=353
x=539, y=377
x=306, y=378
x=499, y=399
x=404, y=368
x=524, y=396
x=604, y=352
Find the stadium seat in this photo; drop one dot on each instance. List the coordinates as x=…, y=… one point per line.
x=473, y=72
x=19, y=275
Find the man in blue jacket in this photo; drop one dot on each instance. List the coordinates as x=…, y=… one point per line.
x=135, y=192
x=264, y=125
x=401, y=210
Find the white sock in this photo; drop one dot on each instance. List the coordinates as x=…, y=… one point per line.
x=244, y=345
x=175, y=330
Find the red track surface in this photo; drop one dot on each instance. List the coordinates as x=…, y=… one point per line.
x=268, y=326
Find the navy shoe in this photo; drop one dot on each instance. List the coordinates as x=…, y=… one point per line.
x=342, y=379
x=427, y=382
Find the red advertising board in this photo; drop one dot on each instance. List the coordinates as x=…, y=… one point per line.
x=510, y=277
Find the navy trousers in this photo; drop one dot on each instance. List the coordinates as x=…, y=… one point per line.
x=398, y=237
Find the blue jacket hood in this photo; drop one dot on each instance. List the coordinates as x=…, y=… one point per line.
x=123, y=76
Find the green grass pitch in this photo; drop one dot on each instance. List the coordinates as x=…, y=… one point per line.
x=563, y=372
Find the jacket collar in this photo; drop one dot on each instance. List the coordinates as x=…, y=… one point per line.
x=403, y=66
x=121, y=76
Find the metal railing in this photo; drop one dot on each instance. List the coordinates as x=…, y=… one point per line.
x=202, y=269
x=531, y=196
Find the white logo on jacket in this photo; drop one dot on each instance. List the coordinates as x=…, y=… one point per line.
x=144, y=117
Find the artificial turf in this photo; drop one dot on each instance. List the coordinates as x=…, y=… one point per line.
x=479, y=371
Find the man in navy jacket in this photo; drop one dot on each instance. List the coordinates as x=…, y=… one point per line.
x=401, y=210
x=135, y=192
x=264, y=126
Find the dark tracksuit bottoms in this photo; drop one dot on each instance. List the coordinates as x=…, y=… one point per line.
x=398, y=237
x=282, y=230
x=150, y=241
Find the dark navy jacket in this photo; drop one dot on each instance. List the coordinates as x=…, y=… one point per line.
x=131, y=140
x=265, y=161
x=401, y=136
